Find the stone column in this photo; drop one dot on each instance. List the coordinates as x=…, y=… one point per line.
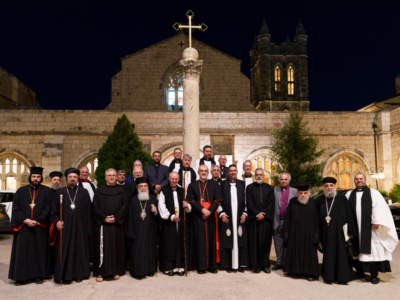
x=191, y=109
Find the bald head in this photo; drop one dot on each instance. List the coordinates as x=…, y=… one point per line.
x=137, y=172
x=203, y=172
x=222, y=160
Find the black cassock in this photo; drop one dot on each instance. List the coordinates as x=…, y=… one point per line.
x=301, y=236
x=141, y=235
x=30, y=255
x=172, y=238
x=107, y=201
x=260, y=198
x=203, y=233
x=78, y=229
x=335, y=266
x=226, y=229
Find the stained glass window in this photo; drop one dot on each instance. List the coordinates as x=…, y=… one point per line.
x=13, y=172
x=290, y=75
x=91, y=163
x=344, y=168
x=277, y=79
x=175, y=91
x=269, y=164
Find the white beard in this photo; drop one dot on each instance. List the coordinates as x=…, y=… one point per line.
x=304, y=202
x=330, y=194
x=259, y=181
x=143, y=196
x=56, y=186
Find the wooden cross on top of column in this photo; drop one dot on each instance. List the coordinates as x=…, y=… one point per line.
x=203, y=27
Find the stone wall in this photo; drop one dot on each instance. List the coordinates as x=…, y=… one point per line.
x=140, y=85
x=57, y=140
x=14, y=93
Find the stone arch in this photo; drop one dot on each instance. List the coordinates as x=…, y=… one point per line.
x=14, y=168
x=16, y=152
x=343, y=164
x=168, y=154
x=84, y=156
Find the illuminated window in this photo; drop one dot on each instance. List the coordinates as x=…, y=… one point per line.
x=175, y=91
x=277, y=79
x=14, y=172
x=344, y=168
x=269, y=164
x=290, y=75
x=91, y=163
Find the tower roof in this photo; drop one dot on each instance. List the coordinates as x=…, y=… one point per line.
x=255, y=43
x=264, y=28
x=288, y=42
x=300, y=29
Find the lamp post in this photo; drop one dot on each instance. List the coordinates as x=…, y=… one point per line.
x=377, y=173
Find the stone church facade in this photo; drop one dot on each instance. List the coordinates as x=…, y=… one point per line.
x=236, y=119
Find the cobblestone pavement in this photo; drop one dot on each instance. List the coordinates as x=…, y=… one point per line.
x=213, y=286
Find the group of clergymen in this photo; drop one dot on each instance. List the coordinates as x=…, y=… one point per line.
x=202, y=219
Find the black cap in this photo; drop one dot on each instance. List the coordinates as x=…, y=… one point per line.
x=56, y=174
x=329, y=180
x=140, y=180
x=72, y=170
x=37, y=170
x=303, y=186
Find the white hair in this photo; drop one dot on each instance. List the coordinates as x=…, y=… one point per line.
x=260, y=169
x=186, y=156
x=111, y=169
x=284, y=173
x=173, y=173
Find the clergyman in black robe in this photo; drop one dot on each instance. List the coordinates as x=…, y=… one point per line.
x=301, y=235
x=204, y=196
x=171, y=208
x=77, y=230
x=30, y=254
x=233, y=247
x=141, y=231
x=334, y=213
x=260, y=198
x=109, y=209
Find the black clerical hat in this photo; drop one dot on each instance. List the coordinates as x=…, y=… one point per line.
x=37, y=170
x=140, y=180
x=329, y=180
x=56, y=174
x=72, y=170
x=303, y=186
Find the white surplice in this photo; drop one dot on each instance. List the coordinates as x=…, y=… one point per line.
x=384, y=239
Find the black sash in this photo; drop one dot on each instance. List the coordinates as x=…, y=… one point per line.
x=202, y=160
x=366, y=212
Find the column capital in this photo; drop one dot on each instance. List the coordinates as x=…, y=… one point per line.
x=191, y=68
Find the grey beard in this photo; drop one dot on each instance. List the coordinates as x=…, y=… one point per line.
x=304, y=202
x=259, y=181
x=56, y=186
x=143, y=196
x=330, y=194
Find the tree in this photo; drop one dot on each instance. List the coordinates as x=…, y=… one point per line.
x=120, y=150
x=296, y=150
x=394, y=193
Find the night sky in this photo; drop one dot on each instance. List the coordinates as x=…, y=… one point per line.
x=67, y=51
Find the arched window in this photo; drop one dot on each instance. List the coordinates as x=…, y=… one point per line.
x=290, y=76
x=14, y=172
x=277, y=78
x=270, y=165
x=174, y=90
x=344, y=168
x=91, y=163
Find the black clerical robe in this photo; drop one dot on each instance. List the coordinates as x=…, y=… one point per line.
x=301, y=238
x=260, y=198
x=335, y=266
x=107, y=201
x=172, y=234
x=76, y=235
x=204, y=234
x=227, y=232
x=30, y=254
x=224, y=174
x=141, y=235
x=181, y=173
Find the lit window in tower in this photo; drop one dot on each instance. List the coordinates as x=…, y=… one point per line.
x=277, y=79
x=290, y=75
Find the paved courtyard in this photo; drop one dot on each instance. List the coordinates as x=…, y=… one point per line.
x=210, y=286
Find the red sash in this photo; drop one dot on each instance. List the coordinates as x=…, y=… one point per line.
x=206, y=205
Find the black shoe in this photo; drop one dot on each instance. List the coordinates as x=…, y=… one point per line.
x=214, y=271
x=256, y=270
x=374, y=280
x=358, y=276
x=309, y=278
x=267, y=270
x=241, y=270
x=340, y=282
x=18, y=283
x=181, y=273
x=277, y=267
x=201, y=272
x=78, y=280
x=169, y=273
x=38, y=280
x=150, y=274
x=229, y=270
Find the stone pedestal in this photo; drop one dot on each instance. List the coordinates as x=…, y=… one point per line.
x=191, y=109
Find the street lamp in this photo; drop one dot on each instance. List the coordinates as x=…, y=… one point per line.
x=377, y=174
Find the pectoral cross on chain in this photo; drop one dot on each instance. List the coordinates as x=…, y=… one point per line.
x=32, y=205
x=203, y=27
x=328, y=219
